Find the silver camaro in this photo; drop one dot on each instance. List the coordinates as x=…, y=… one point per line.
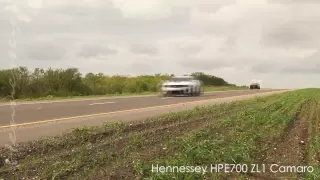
x=182, y=85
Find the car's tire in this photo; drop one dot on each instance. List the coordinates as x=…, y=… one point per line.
x=165, y=94
x=199, y=91
x=191, y=93
x=195, y=92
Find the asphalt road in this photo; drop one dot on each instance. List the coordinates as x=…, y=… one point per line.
x=33, y=120
x=42, y=111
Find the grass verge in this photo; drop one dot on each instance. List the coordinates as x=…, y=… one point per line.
x=242, y=132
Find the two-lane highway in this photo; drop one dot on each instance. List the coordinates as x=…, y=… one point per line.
x=33, y=120
x=42, y=111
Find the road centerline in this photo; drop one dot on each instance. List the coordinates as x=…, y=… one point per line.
x=101, y=103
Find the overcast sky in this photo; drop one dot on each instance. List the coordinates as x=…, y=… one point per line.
x=275, y=41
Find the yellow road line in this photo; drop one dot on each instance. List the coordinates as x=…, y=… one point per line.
x=128, y=110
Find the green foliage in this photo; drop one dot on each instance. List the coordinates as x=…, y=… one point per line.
x=70, y=82
x=210, y=80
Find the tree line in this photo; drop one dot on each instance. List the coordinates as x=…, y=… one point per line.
x=20, y=82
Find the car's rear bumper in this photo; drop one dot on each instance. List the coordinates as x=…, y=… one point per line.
x=254, y=87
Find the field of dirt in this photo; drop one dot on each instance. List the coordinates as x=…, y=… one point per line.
x=250, y=135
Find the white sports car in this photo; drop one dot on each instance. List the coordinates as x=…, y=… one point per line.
x=184, y=85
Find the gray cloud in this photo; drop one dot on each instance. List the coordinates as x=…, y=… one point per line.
x=265, y=68
x=104, y=19
x=304, y=70
x=204, y=64
x=190, y=49
x=287, y=36
x=144, y=49
x=184, y=35
x=306, y=66
x=44, y=51
x=90, y=50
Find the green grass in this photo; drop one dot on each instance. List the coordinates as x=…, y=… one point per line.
x=237, y=139
x=240, y=132
x=313, y=141
x=206, y=89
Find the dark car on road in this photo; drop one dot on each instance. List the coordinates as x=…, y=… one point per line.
x=254, y=86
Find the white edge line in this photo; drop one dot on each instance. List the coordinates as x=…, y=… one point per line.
x=167, y=97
